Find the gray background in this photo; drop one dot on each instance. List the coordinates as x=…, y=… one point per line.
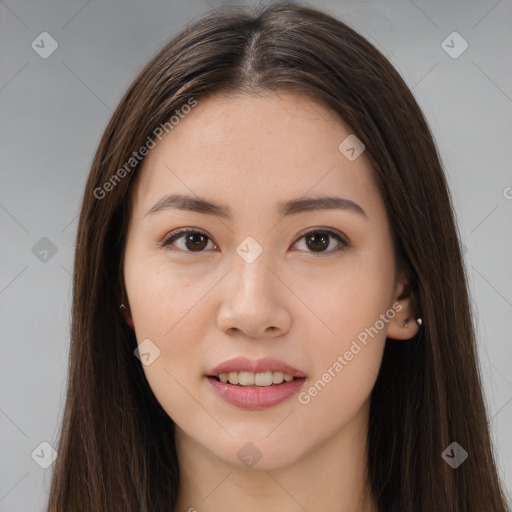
x=54, y=110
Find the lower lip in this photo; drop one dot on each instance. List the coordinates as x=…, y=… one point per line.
x=256, y=397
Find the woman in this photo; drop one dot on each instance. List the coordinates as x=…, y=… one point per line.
x=270, y=307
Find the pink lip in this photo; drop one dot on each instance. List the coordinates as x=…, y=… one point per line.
x=267, y=364
x=255, y=397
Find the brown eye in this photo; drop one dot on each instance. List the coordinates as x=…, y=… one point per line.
x=193, y=241
x=318, y=240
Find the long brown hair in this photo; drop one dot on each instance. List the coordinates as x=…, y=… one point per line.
x=116, y=448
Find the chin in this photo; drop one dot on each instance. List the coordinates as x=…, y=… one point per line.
x=255, y=452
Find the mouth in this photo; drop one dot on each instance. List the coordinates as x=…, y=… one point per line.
x=255, y=384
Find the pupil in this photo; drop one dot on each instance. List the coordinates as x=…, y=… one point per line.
x=195, y=246
x=324, y=237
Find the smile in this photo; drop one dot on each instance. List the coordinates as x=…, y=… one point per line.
x=257, y=384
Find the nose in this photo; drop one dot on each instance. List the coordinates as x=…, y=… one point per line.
x=255, y=301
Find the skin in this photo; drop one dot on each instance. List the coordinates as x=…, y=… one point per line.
x=202, y=308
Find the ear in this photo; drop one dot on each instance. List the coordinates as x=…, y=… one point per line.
x=127, y=316
x=403, y=326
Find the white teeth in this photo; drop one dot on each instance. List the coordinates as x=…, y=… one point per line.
x=246, y=379
x=277, y=377
x=263, y=379
x=255, y=379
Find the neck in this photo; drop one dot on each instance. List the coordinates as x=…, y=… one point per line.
x=332, y=477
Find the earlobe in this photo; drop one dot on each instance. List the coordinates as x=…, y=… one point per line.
x=401, y=328
x=127, y=316
x=406, y=323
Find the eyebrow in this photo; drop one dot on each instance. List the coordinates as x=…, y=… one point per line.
x=291, y=207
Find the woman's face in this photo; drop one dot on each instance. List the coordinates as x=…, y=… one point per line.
x=250, y=282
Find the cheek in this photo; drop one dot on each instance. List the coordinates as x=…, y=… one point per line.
x=168, y=304
x=162, y=296
x=353, y=299
x=348, y=355
x=346, y=365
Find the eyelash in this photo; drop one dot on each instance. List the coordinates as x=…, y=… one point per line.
x=179, y=234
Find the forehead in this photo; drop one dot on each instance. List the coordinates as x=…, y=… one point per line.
x=254, y=147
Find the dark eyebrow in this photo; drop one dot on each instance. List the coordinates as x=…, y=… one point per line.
x=291, y=207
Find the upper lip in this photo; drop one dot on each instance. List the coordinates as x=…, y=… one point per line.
x=266, y=364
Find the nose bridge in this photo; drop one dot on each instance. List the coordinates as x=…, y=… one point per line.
x=251, y=302
x=251, y=263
